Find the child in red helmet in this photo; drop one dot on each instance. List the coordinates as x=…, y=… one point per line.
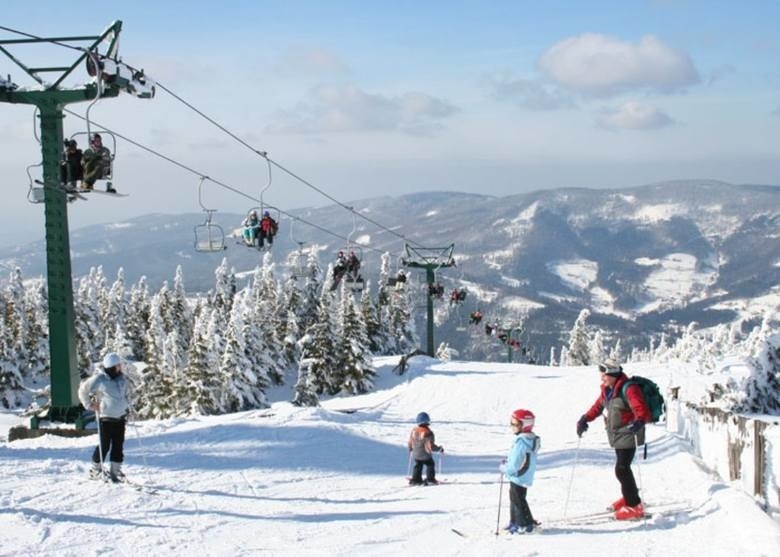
x=519, y=470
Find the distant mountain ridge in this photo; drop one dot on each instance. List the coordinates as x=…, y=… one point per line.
x=640, y=258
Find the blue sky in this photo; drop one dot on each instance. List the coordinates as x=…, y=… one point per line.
x=375, y=98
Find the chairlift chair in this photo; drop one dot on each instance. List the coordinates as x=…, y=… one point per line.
x=36, y=193
x=209, y=236
x=108, y=173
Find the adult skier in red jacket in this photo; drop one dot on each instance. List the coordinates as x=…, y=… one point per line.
x=625, y=425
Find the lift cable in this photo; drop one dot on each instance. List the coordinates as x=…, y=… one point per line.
x=264, y=154
x=217, y=182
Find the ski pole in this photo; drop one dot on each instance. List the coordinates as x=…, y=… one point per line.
x=571, y=479
x=500, y=493
x=100, y=438
x=409, y=466
x=639, y=470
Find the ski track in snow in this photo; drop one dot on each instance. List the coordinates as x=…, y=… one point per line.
x=331, y=480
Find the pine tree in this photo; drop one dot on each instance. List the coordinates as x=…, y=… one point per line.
x=353, y=371
x=578, y=352
x=155, y=395
x=310, y=305
x=202, y=386
x=10, y=374
x=89, y=338
x=224, y=289
x=243, y=389
x=399, y=321
x=761, y=390
x=305, y=392
x=138, y=318
x=180, y=314
x=370, y=316
x=597, y=352
x=320, y=347
x=15, y=314
x=37, y=337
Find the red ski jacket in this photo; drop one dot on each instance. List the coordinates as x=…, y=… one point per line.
x=637, y=409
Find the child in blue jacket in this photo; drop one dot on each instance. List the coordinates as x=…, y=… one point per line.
x=519, y=471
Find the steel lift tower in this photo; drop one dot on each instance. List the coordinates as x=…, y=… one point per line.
x=110, y=76
x=429, y=259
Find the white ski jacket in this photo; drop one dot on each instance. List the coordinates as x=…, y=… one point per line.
x=111, y=393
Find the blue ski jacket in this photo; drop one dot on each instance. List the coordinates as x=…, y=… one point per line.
x=521, y=463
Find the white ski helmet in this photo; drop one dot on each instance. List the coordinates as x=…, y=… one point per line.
x=111, y=359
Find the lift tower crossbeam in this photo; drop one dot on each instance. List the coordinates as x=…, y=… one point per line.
x=110, y=78
x=429, y=259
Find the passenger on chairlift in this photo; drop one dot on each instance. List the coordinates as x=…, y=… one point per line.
x=268, y=229
x=436, y=291
x=353, y=265
x=96, y=162
x=251, y=227
x=457, y=295
x=70, y=169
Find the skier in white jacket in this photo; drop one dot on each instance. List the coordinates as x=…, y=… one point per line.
x=106, y=394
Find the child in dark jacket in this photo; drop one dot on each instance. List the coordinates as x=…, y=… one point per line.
x=422, y=445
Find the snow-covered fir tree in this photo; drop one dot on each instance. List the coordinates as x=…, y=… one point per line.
x=320, y=347
x=154, y=398
x=36, y=343
x=304, y=391
x=353, y=372
x=242, y=387
x=179, y=311
x=310, y=306
x=202, y=385
x=375, y=334
x=597, y=352
x=89, y=337
x=11, y=384
x=138, y=317
x=760, y=393
x=578, y=352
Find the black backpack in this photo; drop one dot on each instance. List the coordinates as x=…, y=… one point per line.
x=653, y=398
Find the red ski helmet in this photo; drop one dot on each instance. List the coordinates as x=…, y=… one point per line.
x=526, y=419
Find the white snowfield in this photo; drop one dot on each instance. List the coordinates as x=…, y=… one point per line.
x=331, y=480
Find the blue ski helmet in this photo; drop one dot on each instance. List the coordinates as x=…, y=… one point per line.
x=423, y=418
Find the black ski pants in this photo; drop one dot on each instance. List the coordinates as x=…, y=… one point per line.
x=112, y=436
x=519, y=511
x=625, y=476
x=430, y=470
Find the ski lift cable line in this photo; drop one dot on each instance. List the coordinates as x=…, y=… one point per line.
x=263, y=154
x=217, y=182
x=281, y=167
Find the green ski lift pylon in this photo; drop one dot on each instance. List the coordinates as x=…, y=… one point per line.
x=429, y=259
x=50, y=99
x=209, y=236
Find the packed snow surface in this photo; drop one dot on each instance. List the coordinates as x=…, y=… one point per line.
x=331, y=480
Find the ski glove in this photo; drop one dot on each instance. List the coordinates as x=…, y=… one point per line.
x=582, y=426
x=636, y=426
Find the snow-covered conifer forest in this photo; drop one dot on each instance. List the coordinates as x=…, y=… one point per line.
x=212, y=353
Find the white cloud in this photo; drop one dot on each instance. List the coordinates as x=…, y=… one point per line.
x=634, y=115
x=600, y=65
x=337, y=108
x=528, y=93
x=302, y=60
